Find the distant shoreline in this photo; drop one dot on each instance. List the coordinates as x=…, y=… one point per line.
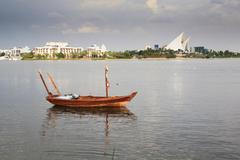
x=149, y=54
x=101, y=59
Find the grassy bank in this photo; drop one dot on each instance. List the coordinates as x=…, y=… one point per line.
x=142, y=54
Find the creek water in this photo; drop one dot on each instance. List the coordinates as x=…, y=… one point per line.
x=185, y=109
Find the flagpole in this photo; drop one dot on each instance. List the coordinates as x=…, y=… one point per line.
x=106, y=80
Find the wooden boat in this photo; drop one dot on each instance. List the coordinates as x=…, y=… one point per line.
x=91, y=101
x=72, y=100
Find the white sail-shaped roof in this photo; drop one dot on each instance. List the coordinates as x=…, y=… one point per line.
x=179, y=43
x=186, y=46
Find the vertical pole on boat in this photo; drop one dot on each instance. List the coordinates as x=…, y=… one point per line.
x=106, y=80
x=54, y=84
x=49, y=93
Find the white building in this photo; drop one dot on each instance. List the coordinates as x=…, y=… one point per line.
x=16, y=51
x=180, y=43
x=5, y=51
x=95, y=48
x=147, y=46
x=57, y=47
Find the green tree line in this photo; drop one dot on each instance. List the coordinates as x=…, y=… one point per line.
x=129, y=54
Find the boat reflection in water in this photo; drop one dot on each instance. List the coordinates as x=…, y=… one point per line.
x=103, y=111
x=97, y=119
x=57, y=112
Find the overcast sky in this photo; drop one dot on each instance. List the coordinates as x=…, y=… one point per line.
x=120, y=24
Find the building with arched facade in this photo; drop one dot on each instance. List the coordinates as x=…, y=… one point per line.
x=52, y=48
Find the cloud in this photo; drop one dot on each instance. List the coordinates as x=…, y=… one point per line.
x=100, y=3
x=88, y=29
x=68, y=31
x=226, y=11
x=104, y=19
x=152, y=5
x=34, y=26
x=55, y=15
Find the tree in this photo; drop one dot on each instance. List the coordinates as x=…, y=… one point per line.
x=28, y=55
x=2, y=54
x=60, y=55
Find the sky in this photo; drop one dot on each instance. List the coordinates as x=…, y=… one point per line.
x=120, y=24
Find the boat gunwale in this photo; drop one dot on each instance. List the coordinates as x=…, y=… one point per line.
x=93, y=98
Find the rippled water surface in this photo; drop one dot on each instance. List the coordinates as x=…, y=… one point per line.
x=185, y=109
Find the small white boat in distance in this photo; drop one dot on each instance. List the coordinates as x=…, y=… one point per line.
x=4, y=58
x=15, y=58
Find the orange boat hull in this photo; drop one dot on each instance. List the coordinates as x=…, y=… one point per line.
x=92, y=101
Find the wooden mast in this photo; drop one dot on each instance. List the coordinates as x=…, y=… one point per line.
x=106, y=81
x=49, y=93
x=54, y=84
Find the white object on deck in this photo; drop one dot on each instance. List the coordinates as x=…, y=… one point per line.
x=64, y=97
x=69, y=96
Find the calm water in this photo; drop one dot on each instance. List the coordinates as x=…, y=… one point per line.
x=184, y=110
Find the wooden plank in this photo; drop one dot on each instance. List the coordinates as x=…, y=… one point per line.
x=54, y=84
x=45, y=85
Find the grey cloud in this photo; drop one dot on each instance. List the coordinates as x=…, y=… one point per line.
x=118, y=23
x=55, y=15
